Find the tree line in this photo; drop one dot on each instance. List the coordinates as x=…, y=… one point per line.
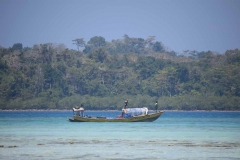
x=101, y=75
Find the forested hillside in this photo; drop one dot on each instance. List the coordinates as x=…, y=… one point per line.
x=102, y=74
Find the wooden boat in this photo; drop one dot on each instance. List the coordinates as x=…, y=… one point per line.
x=141, y=118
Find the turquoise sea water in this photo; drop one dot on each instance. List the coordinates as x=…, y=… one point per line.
x=174, y=136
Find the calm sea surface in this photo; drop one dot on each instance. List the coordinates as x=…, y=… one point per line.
x=175, y=135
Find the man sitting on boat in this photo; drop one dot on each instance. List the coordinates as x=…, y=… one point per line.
x=123, y=112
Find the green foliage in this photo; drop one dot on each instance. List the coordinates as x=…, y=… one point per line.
x=97, y=41
x=3, y=65
x=233, y=56
x=98, y=55
x=94, y=43
x=49, y=76
x=17, y=46
x=158, y=47
x=79, y=42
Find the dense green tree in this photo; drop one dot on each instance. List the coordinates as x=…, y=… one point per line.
x=233, y=56
x=17, y=46
x=183, y=73
x=3, y=65
x=50, y=76
x=158, y=47
x=79, y=42
x=97, y=41
x=98, y=55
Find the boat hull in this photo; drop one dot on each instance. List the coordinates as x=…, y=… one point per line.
x=141, y=118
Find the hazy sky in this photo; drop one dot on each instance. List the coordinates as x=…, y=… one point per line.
x=180, y=25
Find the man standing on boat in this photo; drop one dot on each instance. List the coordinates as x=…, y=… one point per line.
x=126, y=103
x=125, y=107
x=156, y=106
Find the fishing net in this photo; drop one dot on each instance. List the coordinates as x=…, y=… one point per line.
x=130, y=112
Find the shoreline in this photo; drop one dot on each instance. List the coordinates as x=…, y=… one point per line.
x=67, y=110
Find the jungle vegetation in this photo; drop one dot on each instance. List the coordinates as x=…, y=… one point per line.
x=102, y=75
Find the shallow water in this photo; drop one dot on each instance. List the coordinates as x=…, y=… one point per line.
x=175, y=135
